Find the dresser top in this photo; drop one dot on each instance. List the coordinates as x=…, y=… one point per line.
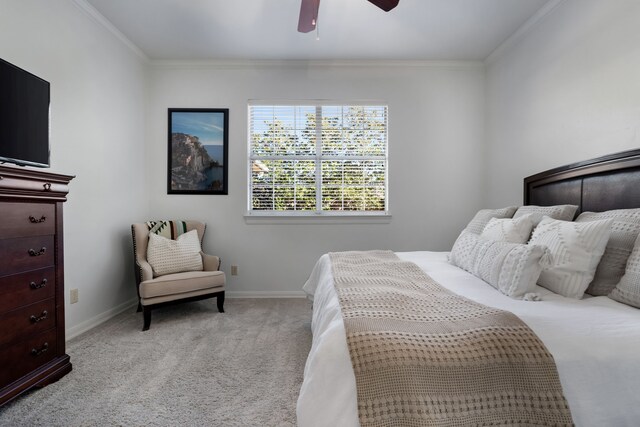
x=22, y=183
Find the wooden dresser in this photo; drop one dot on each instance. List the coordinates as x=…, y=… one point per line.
x=32, y=341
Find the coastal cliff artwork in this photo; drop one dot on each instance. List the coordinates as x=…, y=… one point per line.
x=198, y=150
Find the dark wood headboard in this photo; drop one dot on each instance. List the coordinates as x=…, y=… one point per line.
x=596, y=185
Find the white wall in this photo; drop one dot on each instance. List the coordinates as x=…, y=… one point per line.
x=97, y=134
x=568, y=91
x=436, y=128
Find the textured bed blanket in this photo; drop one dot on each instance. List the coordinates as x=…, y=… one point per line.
x=424, y=356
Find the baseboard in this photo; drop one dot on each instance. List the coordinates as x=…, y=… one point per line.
x=265, y=294
x=80, y=328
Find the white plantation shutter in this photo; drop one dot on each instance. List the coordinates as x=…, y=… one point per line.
x=318, y=159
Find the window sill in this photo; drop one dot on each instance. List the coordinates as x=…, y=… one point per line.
x=317, y=219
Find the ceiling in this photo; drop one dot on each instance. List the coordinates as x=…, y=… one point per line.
x=348, y=29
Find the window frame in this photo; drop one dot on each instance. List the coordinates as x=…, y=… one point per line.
x=300, y=216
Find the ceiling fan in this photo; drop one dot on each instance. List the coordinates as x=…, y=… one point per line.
x=309, y=12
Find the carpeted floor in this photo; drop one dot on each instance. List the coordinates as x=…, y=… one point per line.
x=194, y=367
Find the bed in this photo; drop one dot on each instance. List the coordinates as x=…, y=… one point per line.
x=595, y=341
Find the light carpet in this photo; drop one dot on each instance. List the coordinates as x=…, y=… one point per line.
x=194, y=367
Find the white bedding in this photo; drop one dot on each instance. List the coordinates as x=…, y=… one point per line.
x=595, y=343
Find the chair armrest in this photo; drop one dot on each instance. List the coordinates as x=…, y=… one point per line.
x=145, y=270
x=210, y=262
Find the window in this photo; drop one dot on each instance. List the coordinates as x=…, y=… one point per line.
x=318, y=159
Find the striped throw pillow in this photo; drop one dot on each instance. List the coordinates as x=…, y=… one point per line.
x=168, y=229
x=628, y=290
x=624, y=231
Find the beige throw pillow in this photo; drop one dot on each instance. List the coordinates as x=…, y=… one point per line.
x=511, y=268
x=512, y=230
x=576, y=249
x=561, y=212
x=480, y=220
x=624, y=231
x=174, y=256
x=628, y=290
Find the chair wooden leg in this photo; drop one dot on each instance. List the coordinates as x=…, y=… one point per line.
x=220, y=301
x=139, y=307
x=146, y=313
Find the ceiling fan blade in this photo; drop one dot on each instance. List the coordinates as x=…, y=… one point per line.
x=308, y=15
x=385, y=5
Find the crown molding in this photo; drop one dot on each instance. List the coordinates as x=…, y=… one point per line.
x=521, y=32
x=97, y=17
x=514, y=39
x=302, y=63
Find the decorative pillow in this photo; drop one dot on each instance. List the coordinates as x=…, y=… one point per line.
x=477, y=224
x=168, y=229
x=511, y=268
x=576, y=249
x=628, y=290
x=512, y=230
x=173, y=256
x=624, y=231
x=561, y=212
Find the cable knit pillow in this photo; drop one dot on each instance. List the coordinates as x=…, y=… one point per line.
x=173, y=256
x=628, y=290
x=561, y=212
x=512, y=230
x=576, y=249
x=624, y=231
x=480, y=220
x=511, y=268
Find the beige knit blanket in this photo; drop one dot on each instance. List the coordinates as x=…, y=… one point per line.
x=424, y=356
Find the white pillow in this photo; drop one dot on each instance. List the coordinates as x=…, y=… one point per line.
x=482, y=217
x=173, y=256
x=624, y=231
x=511, y=268
x=562, y=212
x=512, y=230
x=628, y=290
x=576, y=249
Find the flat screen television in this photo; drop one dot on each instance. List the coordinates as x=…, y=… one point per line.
x=24, y=117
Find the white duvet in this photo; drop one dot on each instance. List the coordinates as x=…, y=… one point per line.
x=595, y=343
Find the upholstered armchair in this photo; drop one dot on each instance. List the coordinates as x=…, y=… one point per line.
x=160, y=290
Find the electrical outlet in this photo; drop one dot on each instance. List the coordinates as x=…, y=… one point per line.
x=73, y=296
x=234, y=270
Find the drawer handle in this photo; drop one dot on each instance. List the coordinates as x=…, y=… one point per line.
x=35, y=319
x=35, y=285
x=39, y=351
x=32, y=252
x=47, y=186
x=35, y=220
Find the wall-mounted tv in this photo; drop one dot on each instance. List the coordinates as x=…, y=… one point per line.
x=24, y=117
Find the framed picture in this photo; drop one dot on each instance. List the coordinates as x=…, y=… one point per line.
x=198, y=151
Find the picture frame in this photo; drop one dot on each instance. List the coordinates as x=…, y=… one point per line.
x=198, y=151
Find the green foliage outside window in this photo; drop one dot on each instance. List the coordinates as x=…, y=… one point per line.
x=339, y=149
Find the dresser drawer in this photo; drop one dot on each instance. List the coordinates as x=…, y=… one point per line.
x=25, y=356
x=26, y=219
x=24, y=254
x=27, y=321
x=26, y=288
